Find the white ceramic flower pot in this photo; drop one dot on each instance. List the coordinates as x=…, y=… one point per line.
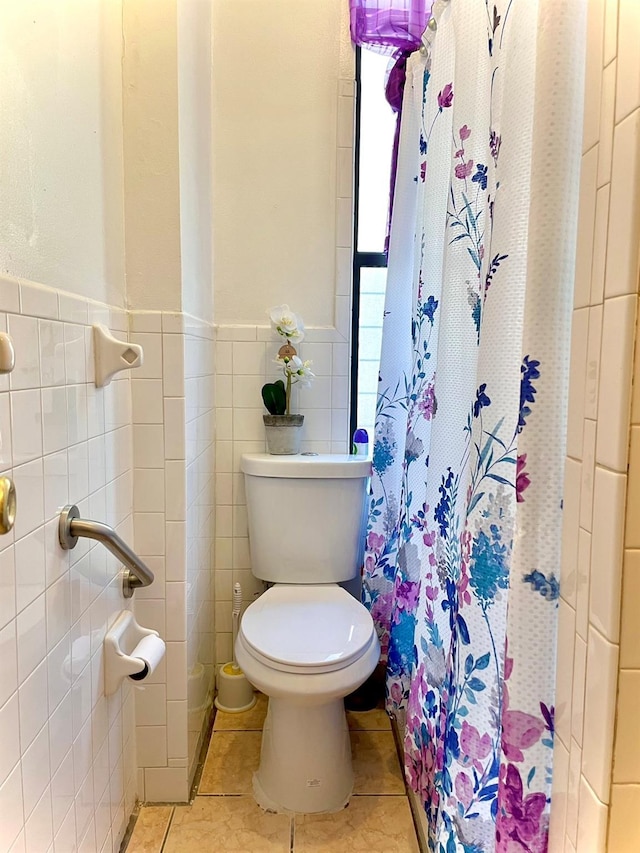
x=284, y=434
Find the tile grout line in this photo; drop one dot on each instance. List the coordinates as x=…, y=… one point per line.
x=131, y=825
x=373, y=794
x=168, y=827
x=202, y=757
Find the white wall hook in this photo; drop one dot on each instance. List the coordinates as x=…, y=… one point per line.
x=112, y=355
x=130, y=650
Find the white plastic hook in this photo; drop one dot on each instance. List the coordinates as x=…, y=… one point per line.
x=112, y=355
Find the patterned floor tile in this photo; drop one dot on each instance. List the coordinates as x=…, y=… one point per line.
x=227, y=825
x=225, y=819
x=252, y=720
x=375, y=763
x=231, y=761
x=150, y=829
x=367, y=825
x=374, y=720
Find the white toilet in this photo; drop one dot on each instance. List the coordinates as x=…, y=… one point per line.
x=306, y=642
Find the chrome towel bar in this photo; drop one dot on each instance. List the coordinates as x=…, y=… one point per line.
x=72, y=527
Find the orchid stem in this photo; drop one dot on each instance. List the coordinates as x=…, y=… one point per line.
x=288, y=393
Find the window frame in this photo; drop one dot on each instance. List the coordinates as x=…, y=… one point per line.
x=361, y=260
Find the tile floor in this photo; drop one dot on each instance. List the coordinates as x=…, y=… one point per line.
x=223, y=818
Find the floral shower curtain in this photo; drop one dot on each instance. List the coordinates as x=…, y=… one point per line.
x=463, y=548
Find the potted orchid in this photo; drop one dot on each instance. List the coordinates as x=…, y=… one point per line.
x=284, y=430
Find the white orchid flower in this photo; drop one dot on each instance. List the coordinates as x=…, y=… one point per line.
x=293, y=367
x=304, y=373
x=286, y=323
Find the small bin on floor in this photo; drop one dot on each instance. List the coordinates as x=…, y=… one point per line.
x=235, y=694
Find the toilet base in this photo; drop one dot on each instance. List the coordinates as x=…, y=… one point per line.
x=305, y=762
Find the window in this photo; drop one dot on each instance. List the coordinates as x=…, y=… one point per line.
x=375, y=127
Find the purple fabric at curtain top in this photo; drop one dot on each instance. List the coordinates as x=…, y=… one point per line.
x=392, y=27
x=388, y=26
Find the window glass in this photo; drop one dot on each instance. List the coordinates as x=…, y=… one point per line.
x=377, y=127
x=372, y=287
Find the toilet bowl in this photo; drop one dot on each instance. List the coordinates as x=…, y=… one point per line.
x=306, y=647
x=306, y=642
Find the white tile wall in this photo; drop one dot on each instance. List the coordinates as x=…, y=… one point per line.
x=597, y=572
x=173, y=435
x=599, y=713
x=606, y=552
x=592, y=821
x=564, y=684
x=624, y=833
x=67, y=753
x=628, y=89
x=573, y=793
x=570, y=539
x=244, y=359
x=593, y=76
x=195, y=493
x=627, y=752
x=586, y=221
x=616, y=366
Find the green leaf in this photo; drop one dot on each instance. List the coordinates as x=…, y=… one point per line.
x=499, y=479
x=474, y=501
x=485, y=450
x=467, y=206
x=274, y=396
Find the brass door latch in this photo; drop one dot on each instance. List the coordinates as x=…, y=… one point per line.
x=7, y=504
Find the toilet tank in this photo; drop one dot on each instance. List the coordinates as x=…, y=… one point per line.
x=306, y=516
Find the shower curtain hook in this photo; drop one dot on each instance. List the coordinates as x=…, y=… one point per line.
x=432, y=26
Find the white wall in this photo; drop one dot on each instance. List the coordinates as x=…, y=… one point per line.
x=276, y=68
x=61, y=205
x=152, y=179
x=167, y=155
x=196, y=155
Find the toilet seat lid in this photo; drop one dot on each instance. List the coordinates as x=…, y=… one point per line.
x=307, y=627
